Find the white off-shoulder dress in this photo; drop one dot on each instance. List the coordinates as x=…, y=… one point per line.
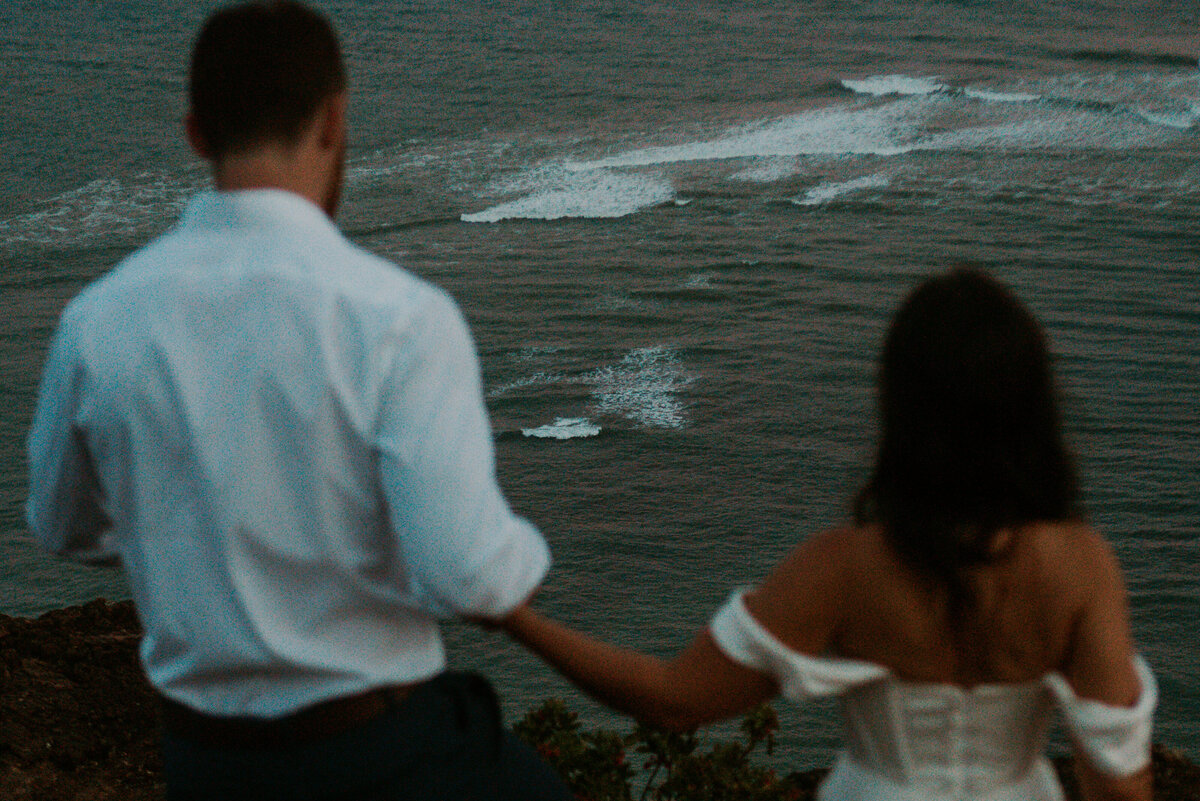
x=908, y=741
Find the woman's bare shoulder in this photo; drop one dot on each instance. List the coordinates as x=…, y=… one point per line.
x=1072, y=556
x=1098, y=662
x=802, y=601
x=1062, y=554
x=821, y=556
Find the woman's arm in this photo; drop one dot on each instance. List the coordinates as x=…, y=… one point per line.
x=1100, y=667
x=699, y=686
x=1096, y=786
x=801, y=602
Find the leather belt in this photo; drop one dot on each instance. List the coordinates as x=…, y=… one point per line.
x=325, y=719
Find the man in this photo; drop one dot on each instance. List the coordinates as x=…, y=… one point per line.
x=282, y=440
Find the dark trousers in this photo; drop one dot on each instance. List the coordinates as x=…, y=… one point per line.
x=445, y=741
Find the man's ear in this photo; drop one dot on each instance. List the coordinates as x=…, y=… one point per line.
x=195, y=138
x=333, y=121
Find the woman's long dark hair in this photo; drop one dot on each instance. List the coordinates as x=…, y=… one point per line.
x=970, y=441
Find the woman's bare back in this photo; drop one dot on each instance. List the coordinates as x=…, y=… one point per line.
x=1053, y=602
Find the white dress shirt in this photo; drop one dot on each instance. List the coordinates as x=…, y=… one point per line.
x=282, y=439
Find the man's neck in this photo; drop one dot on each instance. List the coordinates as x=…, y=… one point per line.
x=310, y=166
x=269, y=168
x=307, y=168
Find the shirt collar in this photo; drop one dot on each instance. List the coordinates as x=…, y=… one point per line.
x=255, y=208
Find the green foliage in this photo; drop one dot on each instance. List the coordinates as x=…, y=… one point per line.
x=670, y=766
x=592, y=763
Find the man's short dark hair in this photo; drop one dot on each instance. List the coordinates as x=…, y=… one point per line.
x=259, y=73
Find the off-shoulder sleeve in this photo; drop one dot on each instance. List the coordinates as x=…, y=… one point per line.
x=745, y=641
x=1115, y=739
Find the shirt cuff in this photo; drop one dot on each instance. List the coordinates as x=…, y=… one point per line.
x=497, y=583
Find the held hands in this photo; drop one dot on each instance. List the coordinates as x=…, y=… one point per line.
x=510, y=621
x=698, y=686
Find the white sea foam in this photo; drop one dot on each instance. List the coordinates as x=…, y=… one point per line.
x=882, y=130
x=564, y=428
x=596, y=193
x=1001, y=97
x=823, y=193
x=367, y=172
x=880, y=85
x=905, y=114
x=1179, y=120
x=536, y=380
x=908, y=119
x=643, y=387
x=1057, y=130
x=100, y=209
x=612, y=301
x=533, y=352
x=769, y=170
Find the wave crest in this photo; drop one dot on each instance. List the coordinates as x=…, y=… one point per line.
x=592, y=194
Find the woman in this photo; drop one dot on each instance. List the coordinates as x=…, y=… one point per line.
x=965, y=602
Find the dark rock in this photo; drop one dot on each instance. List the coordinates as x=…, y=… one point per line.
x=77, y=719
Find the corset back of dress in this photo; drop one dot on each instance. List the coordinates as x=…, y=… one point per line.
x=945, y=740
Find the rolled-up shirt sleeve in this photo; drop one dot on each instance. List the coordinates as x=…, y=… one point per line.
x=465, y=552
x=64, y=509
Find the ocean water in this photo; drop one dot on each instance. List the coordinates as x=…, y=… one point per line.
x=678, y=231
